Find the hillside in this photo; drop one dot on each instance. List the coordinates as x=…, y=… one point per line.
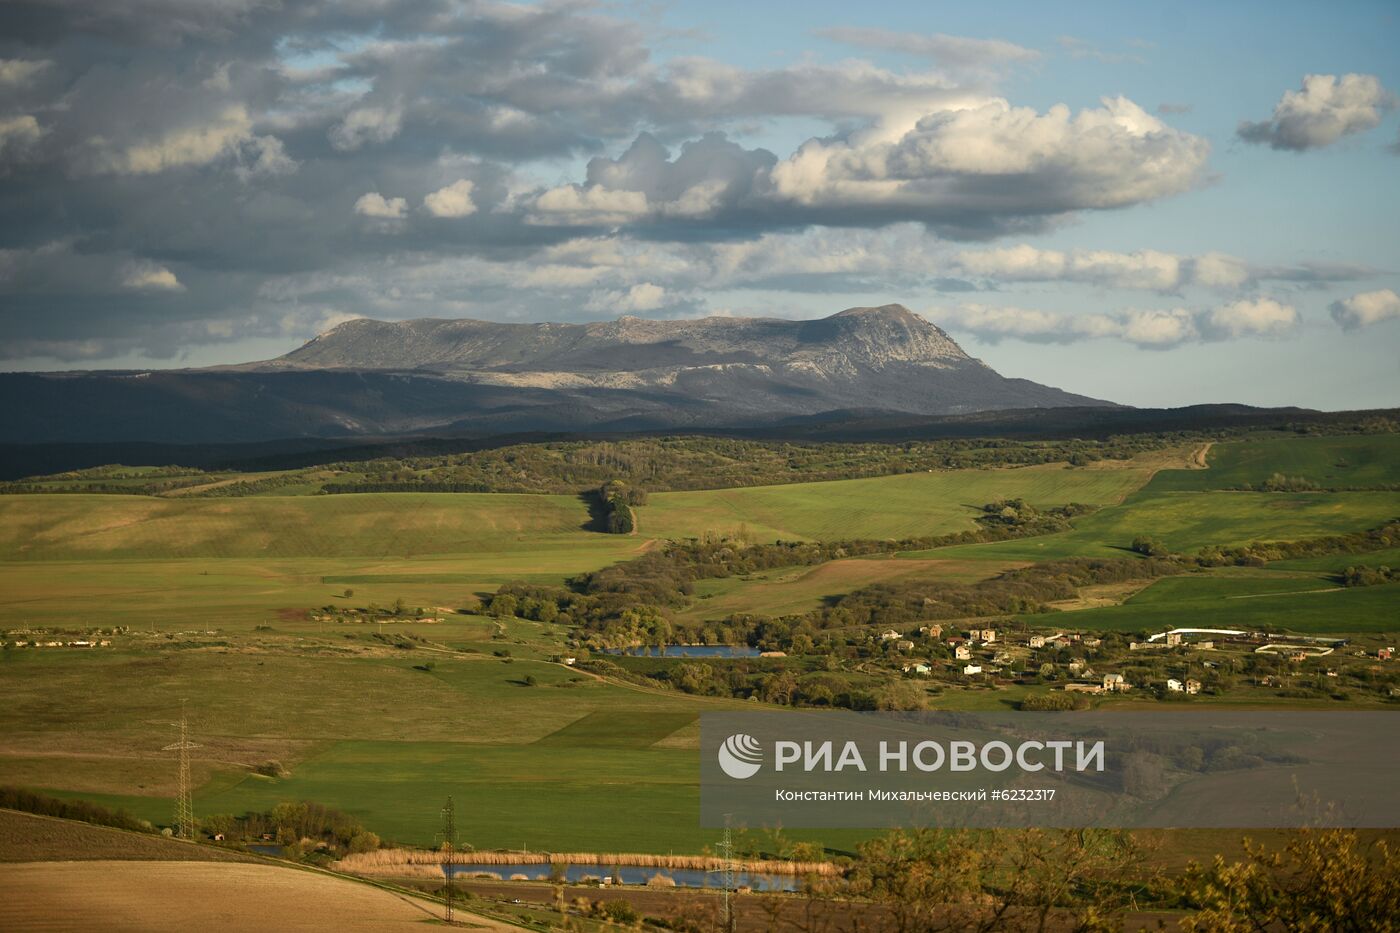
x=366, y=378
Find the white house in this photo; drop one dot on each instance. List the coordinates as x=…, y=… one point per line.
x=1174, y=685
x=970, y=669
x=918, y=667
x=890, y=635
x=1115, y=683
x=962, y=653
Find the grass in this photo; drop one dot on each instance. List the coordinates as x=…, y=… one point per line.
x=550, y=757
x=1329, y=462
x=1267, y=600
x=794, y=590
x=237, y=594
x=908, y=505
x=1187, y=522
x=398, y=526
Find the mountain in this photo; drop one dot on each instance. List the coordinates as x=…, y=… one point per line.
x=368, y=377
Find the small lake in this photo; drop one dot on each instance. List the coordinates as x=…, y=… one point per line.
x=687, y=651
x=684, y=877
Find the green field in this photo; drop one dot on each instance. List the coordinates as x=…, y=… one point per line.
x=1328, y=462
x=399, y=526
x=905, y=506
x=1252, y=601
x=216, y=593
x=1187, y=522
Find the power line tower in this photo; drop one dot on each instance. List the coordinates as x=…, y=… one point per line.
x=449, y=846
x=726, y=848
x=184, y=801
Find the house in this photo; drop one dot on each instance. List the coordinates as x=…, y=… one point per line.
x=1058, y=641
x=1001, y=658
x=918, y=667
x=1206, y=645
x=772, y=654
x=218, y=837
x=932, y=631
x=1114, y=683
x=1083, y=688
x=1193, y=686
x=1037, y=641
x=1175, y=686
x=1092, y=642
x=985, y=635
x=971, y=669
x=1173, y=639
x=904, y=644
x=570, y=662
x=962, y=653
x=1385, y=654
x=889, y=635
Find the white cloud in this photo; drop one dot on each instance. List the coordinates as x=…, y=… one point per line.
x=189, y=146
x=1326, y=109
x=576, y=205
x=1262, y=317
x=374, y=204
x=263, y=157
x=18, y=71
x=641, y=297
x=1147, y=269
x=148, y=276
x=956, y=52
x=1154, y=329
x=454, y=200
x=998, y=160
x=1365, y=309
x=366, y=125
x=18, y=133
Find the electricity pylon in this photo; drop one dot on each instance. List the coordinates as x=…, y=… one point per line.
x=726, y=848
x=184, y=801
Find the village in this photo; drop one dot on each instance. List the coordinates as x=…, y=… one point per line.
x=1180, y=662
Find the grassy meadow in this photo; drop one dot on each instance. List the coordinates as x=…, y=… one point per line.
x=216, y=593
x=904, y=506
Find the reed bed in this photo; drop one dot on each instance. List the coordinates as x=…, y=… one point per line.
x=381, y=860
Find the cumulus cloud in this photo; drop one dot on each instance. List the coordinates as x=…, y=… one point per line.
x=18, y=71
x=995, y=166
x=366, y=125
x=1322, y=112
x=454, y=200
x=148, y=276
x=18, y=134
x=1153, y=329
x=709, y=175
x=1365, y=309
x=643, y=296
x=187, y=146
x=373, y=204
x=970, y=172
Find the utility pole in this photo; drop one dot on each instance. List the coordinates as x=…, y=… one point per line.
x=184, y=801
x=449, y=846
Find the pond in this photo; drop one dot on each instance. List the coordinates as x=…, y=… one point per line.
x=687, y=651
x=683, y=877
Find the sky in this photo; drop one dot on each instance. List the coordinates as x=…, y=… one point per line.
x=1159, y=204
